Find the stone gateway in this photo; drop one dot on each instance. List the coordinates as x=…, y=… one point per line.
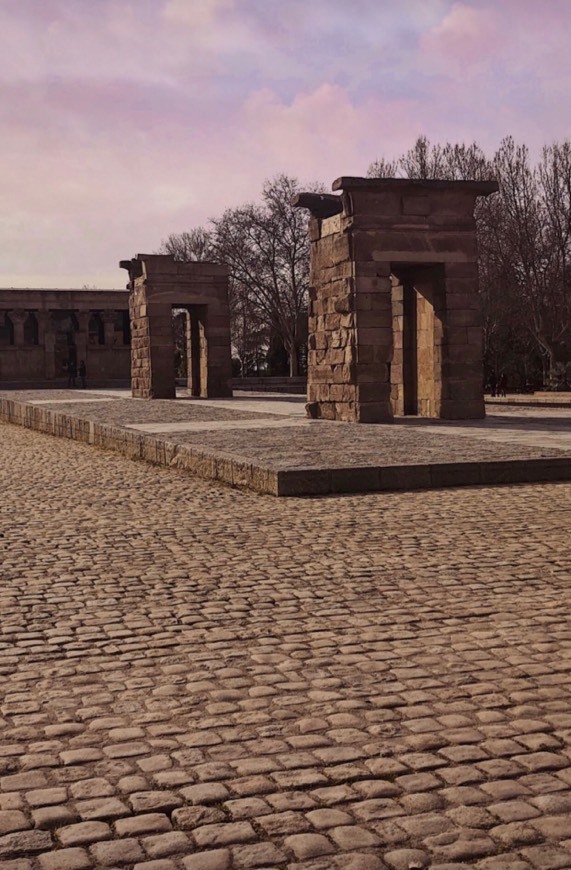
x=394, y=319
x=158, y=284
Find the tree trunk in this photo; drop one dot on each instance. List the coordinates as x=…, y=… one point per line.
x=293, y=361
x=548, y=361
x=552, y=376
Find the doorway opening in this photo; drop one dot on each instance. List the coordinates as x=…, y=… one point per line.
x=190, y=346
x=418, y=294
x=65, y=329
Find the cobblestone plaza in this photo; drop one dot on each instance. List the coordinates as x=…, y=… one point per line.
x=199, y=678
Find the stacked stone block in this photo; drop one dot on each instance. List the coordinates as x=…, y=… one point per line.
x=423, y=231
x=158, y=284
x=331, y=345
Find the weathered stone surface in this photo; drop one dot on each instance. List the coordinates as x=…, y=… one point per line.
x=50, y=328
x=301, y=459
x=24, y=843
x=381, y=273
x=306, y=846
x=13, y=820
x=157, y=284
x=84, y=833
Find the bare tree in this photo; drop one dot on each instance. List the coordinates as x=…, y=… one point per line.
x=250, y=337
x=424, y=160
x=383, y=168
x=266, y=248
x=524, y=237
x=532, y=243
x=554, y=173
x=196, y=244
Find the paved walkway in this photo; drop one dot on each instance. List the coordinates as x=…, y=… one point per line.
x=527, y=427
x=200, y=678
x=267, y=444
x=549, y=399
x=239, y=426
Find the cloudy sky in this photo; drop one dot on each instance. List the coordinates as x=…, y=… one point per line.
x=125, y=120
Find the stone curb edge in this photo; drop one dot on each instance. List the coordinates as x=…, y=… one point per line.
x=136, y=445
x=542, y=404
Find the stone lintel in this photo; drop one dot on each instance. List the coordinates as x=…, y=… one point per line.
x=33, y=299
x=414, y=185
x=157, y=265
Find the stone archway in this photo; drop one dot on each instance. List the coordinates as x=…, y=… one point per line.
x=158, y=283
x=374, y=351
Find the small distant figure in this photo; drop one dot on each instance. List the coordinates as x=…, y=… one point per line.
x=493, y=384
x=71, y=373
x=502, y=385
x=82, y=372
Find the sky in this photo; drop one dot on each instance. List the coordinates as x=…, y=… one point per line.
x=125, y=120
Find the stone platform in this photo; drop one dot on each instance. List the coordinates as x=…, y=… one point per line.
x=264, y=442
x=544, y=400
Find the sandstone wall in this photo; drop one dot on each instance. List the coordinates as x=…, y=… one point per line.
x=40, y=361
x=159, y=284
x=359, y=354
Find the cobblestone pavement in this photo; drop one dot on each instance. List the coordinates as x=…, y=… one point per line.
x=200, y=678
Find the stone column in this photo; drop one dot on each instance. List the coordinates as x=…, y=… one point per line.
x=410, y=349
x=462, y=345
x=163, y=385
x=47, y=339
x=396, y=364
x=108, y=318
x=333, y=343
x=81, y=337
x=431, y=309
x=18, y=318
x=215, y=357
x=193, y=355
x=374, y=320
x=152, y=347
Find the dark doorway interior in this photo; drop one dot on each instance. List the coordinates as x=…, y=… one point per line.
x=65, y=327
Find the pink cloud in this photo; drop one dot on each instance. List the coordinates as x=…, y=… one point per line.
x=322, y=133
x=92, y=201
x=501, y=68
x=124, y=121
x=196, y=13
x=466, y=36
